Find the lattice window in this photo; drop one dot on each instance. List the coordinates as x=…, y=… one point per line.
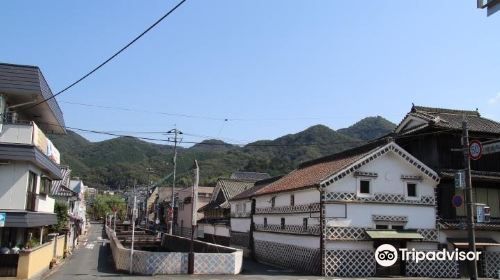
x=349, y=263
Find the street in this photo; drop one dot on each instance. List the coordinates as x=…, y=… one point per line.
x=94, y=260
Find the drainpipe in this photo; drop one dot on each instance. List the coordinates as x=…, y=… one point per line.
x=322, y=231
x=252, y=229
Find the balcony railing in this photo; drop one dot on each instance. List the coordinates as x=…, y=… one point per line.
x=13, y=131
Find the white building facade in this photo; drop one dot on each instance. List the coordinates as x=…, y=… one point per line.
x=329, y=215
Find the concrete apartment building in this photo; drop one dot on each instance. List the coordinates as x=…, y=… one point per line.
x=29, y=161
x=184, y=211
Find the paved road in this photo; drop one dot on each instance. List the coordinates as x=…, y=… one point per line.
x=93, y=260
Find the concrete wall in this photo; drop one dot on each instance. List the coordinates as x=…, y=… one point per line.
x=218, y=260
x=17, y=134
x=34, y=262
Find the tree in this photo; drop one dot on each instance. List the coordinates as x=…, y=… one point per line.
x=103, y=204
x=61, y=211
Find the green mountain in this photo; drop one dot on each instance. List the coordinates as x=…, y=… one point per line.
x=124, y=161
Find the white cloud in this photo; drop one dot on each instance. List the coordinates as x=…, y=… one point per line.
x=495, y=99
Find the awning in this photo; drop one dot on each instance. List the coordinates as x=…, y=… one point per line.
x=393, y=234
x=480, y=242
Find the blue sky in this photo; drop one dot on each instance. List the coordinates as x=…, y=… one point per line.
x=270, y=67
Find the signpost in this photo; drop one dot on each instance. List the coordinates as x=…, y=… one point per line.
x=3, y=217
x=460, y=180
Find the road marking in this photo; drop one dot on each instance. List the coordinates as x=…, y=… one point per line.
x=89, y=246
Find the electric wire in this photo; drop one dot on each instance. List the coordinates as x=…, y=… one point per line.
x=110, y=58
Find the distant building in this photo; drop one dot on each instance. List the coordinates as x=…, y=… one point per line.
x=79, y=210
x=184, y=212
x=215, y=225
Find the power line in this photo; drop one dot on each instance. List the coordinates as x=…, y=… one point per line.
x=214, y=118
x=112, y=57
x=145, y=111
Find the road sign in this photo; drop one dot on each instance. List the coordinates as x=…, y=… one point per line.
x=460, y=180
x=475, y=150
x=480, y=213
x=457, y=200
x=3, y=216
x=491, y=148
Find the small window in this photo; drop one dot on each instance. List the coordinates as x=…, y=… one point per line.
x=45, y=184
x=265, y=222
x=273, y=201
x=304, y=224
x=398, y=227
x=364, y=187
x=411, y=189
x=381, y=227
x=282, y=223
x=292, y=200
x=244, y=207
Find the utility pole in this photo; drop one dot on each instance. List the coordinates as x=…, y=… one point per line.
x=194, y=217
x=469, y=200
x=134, y=210
x=176, y=133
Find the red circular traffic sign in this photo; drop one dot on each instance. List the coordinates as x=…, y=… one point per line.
x=475, y=150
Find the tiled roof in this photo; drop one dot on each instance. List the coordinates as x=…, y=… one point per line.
x=250, y=176
x=232, y=187
x=258, y=185
x=452, y=119
x=312, y=173
x=61, y=187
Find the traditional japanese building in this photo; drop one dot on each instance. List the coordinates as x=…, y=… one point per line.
x=215, y=226
x=433, y=135
x=329, y=215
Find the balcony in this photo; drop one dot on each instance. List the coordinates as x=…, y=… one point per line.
x=28, y=133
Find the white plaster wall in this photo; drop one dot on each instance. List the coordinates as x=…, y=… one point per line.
x=302, y=197
x=303, y=241
x=360, y=214
x=290, y=219
x=389, y=168
x=222, y=230
x=44, y=203
x=240, y=224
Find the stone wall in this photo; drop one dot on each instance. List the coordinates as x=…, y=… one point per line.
x=288, y=256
